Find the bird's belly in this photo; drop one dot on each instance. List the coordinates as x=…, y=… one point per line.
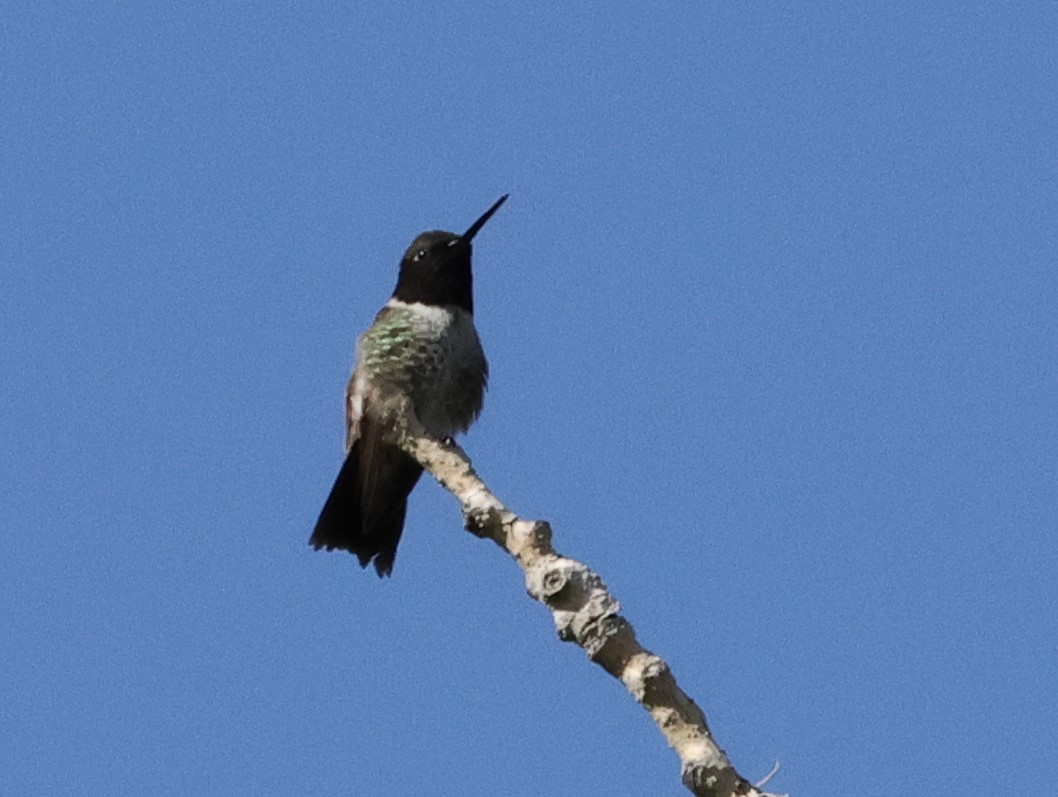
x=449, y=393
x=429, y=356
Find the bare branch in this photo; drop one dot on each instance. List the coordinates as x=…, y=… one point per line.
x=586, y=613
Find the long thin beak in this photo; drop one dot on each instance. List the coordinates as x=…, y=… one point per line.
x=468, y=236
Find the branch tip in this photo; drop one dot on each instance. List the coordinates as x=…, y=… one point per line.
x=584, y=612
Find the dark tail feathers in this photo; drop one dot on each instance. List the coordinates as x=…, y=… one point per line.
x=368, y=523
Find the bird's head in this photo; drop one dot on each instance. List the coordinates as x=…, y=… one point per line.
x=435, y=269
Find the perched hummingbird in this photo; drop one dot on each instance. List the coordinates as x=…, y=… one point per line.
x=422, y=354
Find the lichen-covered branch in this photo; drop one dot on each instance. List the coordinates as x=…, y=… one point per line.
x=586, y=613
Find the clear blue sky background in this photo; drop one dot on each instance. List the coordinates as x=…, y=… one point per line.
x=772, y=315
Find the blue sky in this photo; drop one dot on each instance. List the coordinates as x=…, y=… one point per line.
x=771, y=314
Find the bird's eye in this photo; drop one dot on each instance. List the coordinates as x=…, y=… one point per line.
x=420, y=254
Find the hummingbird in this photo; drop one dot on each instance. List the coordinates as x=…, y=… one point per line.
x=422, y=354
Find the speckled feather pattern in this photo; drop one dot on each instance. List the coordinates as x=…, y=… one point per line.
x=430, y=355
